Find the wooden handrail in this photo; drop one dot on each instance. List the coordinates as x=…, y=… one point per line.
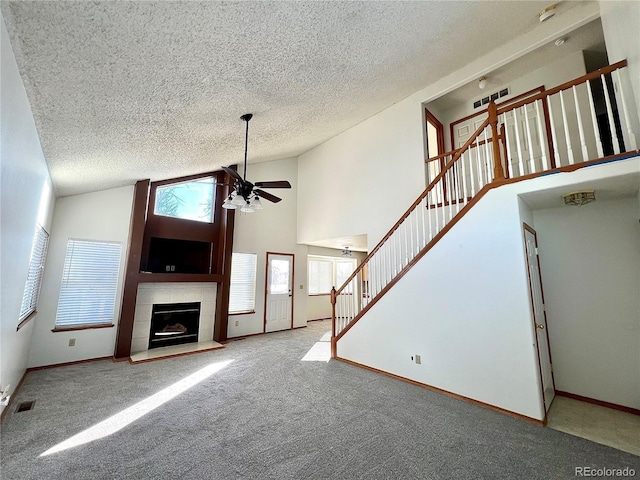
x=452, y=152
x=565, y=86
x=433, y=183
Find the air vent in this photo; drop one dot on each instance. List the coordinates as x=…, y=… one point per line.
x=24, y=406
x=491, y=97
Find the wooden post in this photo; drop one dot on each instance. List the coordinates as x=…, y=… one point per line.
x=334, y=352
x=498, y=171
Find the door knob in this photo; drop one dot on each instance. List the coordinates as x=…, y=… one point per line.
x=540, y=326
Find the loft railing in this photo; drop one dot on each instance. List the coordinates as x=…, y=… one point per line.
x=563, y=128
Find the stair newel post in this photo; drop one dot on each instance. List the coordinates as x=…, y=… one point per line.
x=333, y=323
x=498, y=171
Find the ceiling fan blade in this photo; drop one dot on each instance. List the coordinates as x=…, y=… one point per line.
x=278, y=184
x=266, y=195
x=232, y=173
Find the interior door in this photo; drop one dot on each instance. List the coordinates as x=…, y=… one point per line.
x=278, y=313
x=539, y=316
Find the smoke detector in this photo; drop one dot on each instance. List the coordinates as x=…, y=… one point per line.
x=547, y=13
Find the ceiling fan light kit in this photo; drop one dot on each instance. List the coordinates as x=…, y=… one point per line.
x=245, y=194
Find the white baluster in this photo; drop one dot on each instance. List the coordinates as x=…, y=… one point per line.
x=541, y=136
x=424, y=207
x=456, y=176
x=479, y=164
x=442, y=196
x=583, y=142
x=486, y=158
x=516, y=127
x=464, y=180
x=612, y=125
x=532, y=163
x=566, y=130
x=631, y=136
x=554, y=138
x=594, y=121
x=472, y=176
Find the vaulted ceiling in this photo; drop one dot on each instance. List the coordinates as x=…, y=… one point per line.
x=122, y=91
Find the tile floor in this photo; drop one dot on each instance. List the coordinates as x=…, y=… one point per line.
x=603, y=425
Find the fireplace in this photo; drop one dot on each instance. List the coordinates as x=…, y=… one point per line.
x=174, y=324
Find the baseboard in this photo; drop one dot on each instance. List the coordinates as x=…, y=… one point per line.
x=319, y=319
x=602, y=403
x=13, y=395
x=446, y=392
x=66, y=364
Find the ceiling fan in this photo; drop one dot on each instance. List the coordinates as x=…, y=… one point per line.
x=246, y=195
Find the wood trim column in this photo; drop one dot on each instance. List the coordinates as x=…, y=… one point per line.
x=130, y=289
x=498, y=172
x=221, y=322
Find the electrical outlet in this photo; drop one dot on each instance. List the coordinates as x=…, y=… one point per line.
x=237, y=323
x=173, y=268
x=72, y=342
x=418, y=359
x=167, y=268
x=301, y=287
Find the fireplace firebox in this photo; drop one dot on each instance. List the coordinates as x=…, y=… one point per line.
x=174, y=324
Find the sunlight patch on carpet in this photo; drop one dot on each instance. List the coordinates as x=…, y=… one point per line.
x=120, y=420
x=320, y=352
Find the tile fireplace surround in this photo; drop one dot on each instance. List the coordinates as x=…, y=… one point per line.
x=157, y=293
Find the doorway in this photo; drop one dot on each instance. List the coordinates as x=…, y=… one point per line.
x=539, y=317
x=278, y=312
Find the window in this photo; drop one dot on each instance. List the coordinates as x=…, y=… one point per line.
x=89, y=283
x=34, y=276
x=191, y=200
x=242, y=293
x=327, y=272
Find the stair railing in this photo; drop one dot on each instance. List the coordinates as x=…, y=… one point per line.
x=463, y=176
x=578, y=123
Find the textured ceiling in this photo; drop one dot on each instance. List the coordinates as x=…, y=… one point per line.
x=122, y=91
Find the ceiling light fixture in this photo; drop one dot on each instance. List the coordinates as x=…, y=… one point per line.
x=346, y=252
x=244, y=194
x=482, y=83
x=560, y=41
x=547, y=13
x=580, y=198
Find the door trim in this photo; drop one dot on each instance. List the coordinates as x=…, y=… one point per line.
x=531, y=230
x=266, y=286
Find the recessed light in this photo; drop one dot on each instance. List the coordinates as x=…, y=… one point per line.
x=560, y=41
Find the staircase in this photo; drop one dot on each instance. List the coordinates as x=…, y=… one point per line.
x=589, y=120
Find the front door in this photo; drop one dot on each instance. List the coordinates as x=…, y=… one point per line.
x=539, y=316
x=278, y=313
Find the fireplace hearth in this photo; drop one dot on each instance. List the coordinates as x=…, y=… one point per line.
x=174, y=324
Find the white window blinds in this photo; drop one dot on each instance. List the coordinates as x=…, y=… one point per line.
x=36, y=271
x=320, y=276
x=242, y=293
x=89, y=283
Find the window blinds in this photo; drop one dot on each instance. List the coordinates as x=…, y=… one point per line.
x=36, y=271
x=242, y=292
x=320, y=276
x=89, y=283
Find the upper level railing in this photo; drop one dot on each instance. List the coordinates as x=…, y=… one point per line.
x=562, y=128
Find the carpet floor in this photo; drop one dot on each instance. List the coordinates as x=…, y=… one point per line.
x=255, y=410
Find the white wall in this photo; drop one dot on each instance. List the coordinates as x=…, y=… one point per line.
x=570, y=67
x=464, y=308
x=363, y=180
x=27, y=200
x=620, y=26
x=272, y=229
x=590, y=263
x=105, y=216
